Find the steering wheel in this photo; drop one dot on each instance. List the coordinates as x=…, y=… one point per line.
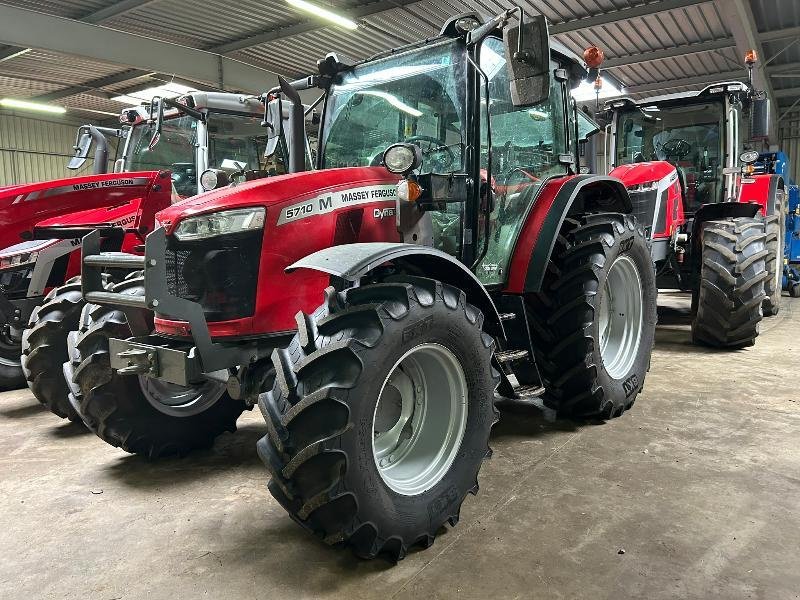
x=676, y=147
x=440, y=155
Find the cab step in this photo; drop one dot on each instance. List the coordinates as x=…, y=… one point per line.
x=505, y=356
x=526, y=392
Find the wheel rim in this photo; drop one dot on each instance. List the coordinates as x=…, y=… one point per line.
x=10, y=351
x=179, y=401
x=621, y=317
x=420, y=418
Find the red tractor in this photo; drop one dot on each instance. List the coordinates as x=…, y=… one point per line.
x=457, y=253
x=41, y=300
x=714, y=225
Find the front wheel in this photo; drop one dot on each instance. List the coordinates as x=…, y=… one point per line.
x=727, y=305
x=11, y=375
x=138, y=414
x=593, y=323
x=44, y=347
x=380, y=415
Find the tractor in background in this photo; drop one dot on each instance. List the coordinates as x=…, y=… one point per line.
x=714, y=224
x=168, y=148
x=445, y=248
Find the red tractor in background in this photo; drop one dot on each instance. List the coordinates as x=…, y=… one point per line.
x=456, y=252
x=167, y=149
x=714, y=225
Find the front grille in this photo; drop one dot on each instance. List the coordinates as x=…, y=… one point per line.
x=644, y=206
x=15, y=281
x=221, y=274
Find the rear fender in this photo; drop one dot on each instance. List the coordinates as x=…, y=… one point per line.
x=354, y=262
x=559, y=198
x=766, y=190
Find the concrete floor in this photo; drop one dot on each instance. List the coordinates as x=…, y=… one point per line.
x=698, y=484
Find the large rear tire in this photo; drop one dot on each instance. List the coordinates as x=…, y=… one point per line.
x=773, y=286
x=380, y=415
x=138, y=414
x=593, y=323
x=732, y=278
x=44, y=347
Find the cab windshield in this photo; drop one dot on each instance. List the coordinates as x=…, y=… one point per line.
x=239, y=138
x=689, y=137
x=416, y=97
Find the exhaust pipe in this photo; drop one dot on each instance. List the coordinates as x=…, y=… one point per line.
x=87, y=135
x=295, y=137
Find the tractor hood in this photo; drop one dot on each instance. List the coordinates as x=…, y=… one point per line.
x=23, y=206
x=276, y=192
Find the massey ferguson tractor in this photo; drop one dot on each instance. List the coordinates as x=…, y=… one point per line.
x=164, y=156
x=714, y=224
x=444, y=249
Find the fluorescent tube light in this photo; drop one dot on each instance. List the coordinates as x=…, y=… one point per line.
x=324, y=14
x=37, y=106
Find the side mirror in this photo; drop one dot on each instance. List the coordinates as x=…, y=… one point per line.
x=82, y=146
x=157, y=115
x=759, y=119
x=527, y=51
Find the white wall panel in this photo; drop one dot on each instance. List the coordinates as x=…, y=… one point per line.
x=34, y=149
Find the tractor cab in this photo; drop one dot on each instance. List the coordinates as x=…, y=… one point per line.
x=482, y=153
x=202, y=132
x=702, y=134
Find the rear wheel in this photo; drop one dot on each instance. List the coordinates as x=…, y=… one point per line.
x=732, y=277
x=593, y=323
x=380, y=415
x=772, y=286
x=138, y=414
x=44, y=347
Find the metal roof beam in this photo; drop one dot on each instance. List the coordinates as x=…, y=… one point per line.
x=611, y=16
x=134, y=51
x=308, y=25
x=621, y=61
x=787, y=92
x=115, y=10
x=93, y=86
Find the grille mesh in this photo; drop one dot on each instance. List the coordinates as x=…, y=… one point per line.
x=644, y=206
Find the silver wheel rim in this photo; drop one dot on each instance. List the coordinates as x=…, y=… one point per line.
x=7, y=349
x=419, y=419
x=621, y=317
x=178, y=401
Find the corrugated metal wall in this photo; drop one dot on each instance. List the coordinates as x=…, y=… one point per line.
x=33, y=149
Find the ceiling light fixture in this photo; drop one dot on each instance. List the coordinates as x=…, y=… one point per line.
x=37, y=106
x=324, y=14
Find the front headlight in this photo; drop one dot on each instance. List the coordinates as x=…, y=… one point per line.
x=220, y=223
x=638, y=188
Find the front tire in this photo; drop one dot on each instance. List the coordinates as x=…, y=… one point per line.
x=138, y=414
x=593, y=323
x=732, y=278
x=352, y=456
x=44, y=347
